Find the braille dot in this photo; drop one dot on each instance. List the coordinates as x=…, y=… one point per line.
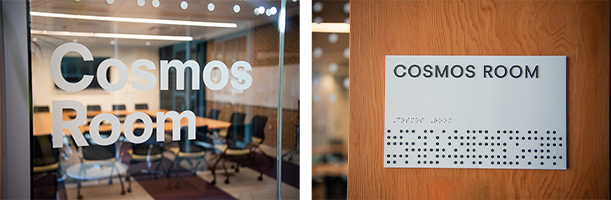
x=486, y=156
x=388, y=162
x=388, y=155
x=388, y=137
x=510, y=163
x=498, y=156
x=480, y=162
x=413, y=149
x=467, y=131
x=419, y=155
x=388, y=143
x=554, y=144
x=504, y=150
x=554, y=132
x=431, y=162
x=401, y=137
x=548, y=144
x=504, y=131
x=492, y=150
x=510, y=138
x=554, y=138
x=419, y=149
x=492, y=163
x=486, y=137
x=461, y=156
x=418, y=162
x=498, y=137
x=455, y=156
x=498, y=162
x=437, y=162
x=406, y=162
x=424, y=131
x=474, y=137
x=535, y=157
x=387, y=131
x=510, y=132
x=560, y=144
x=455, y=131
x=528, y=138
x=480, y=131
x=491, y=144
x=455, y=162
x=548, y=151
x=413, y=131
x=461, y=162
x=461, y=144
x=535, y=132
x=437, y=137
x=437, y=150
x=443, y=156
x=467, y=156
x=486, y=131
x=547, y=132
x=517, y=156
x=443, y=131
x=394, y=162
x=394, y=143
x=504, y=163
x=425, y=137
x=517, y=131
x=486, y=144
x=504, y=144
x=529, y=163
x=449, y=143
x=554, y=163
x=400, y=130
x=560, y=157
x=443, y=150
x=541, y=163
x=413, y=143
x=504, y=156
x=424, y=149
x=455, y=150
x=400, y=143
x=394, y=155
x=535, y=151
x=473, y=150
x=523, y=138
x=474, y=162
x=431, y=132
x=517, y=144
x=517, y=163
x=529, y=132
x=400, y=156
x=461, y=137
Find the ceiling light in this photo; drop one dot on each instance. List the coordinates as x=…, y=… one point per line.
x=273, y=10
x=155, y=3
x=141, y=3
x=236, y=8
x=135, y=20
x=261, y=9
x=257, y=11
x=113, y=35
x=184, y=5
x=110, y=1
x=331, y=27
x=268, y=12
x=211, y=7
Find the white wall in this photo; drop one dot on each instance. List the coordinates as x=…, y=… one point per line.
x=44, y=90
x=264, y=89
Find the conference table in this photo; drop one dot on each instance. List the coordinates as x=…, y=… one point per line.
x=43, y=121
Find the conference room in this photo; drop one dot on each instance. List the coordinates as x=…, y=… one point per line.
x=164, y=99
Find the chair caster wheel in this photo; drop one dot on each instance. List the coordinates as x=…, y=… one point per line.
x=227, y=181
x=260, y=178
x=213, y=182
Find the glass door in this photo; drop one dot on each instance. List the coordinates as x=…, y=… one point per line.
x=164, y=99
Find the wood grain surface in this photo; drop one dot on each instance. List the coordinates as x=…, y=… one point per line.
x=577, y=29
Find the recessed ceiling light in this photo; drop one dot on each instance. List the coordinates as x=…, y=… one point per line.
x=261, y=9
x=257, y=11
x=113, y=35
x=112, y=42
x=236, y=8
x=211, y=7
x=147, y=43
x=141, y=3
x=110, y=1
x=155, y=3
x=184, y=5
x=273, y=10
x=268, y=12
x=135, y=20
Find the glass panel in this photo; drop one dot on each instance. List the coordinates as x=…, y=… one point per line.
x=330, y=98
x=163, y=99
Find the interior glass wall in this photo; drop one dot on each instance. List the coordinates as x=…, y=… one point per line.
x=154, y=99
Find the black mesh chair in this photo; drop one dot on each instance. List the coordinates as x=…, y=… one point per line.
x=190, y=150
x=97, y=153
x=118, y=107
x=258, y=135
x=40, y=109
x=94, y=108
x=214, y=114
x=148, y=152
x=238, y=146
x=237, y=118
x=46, y=159
x=142, y=106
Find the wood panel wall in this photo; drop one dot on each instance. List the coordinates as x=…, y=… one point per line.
x=577, y=29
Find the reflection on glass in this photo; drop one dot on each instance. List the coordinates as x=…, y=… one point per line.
x=179, y=99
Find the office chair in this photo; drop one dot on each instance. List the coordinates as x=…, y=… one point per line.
x=237, y=118
x=149, y=151
x=258, y=135
x=142, y=106
x=40, y=109
x=94, y=108
x=118, y=107
x=214, y=114
x=97, y=153
x=190, y=150
x=238, y=139
x=46, y=159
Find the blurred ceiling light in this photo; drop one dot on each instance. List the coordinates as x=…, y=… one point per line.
x=113, y=35
x=112, y=42
x=268, y=12
x=147, y=43
x=110, y=1
x=257, y=11
x=135, y=20
x=35, y=39
x=74, y=40
x=155, y=3
x=141, y=3
x=318, y=20
x=317, y=7
x=333, y=67
x=347, y=83
x=273, y=10
x=236, y=8
x=210, y=7
x=347, y=20
x=261, y=9
x=184, y=5
x=317, y=53
x=347, y=53
x=331, y=28
x=333, y=37
x=347, y=8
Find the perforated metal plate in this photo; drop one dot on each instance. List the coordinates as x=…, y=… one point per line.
x=481, y=112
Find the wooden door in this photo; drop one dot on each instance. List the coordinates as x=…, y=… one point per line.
x=577, y=29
